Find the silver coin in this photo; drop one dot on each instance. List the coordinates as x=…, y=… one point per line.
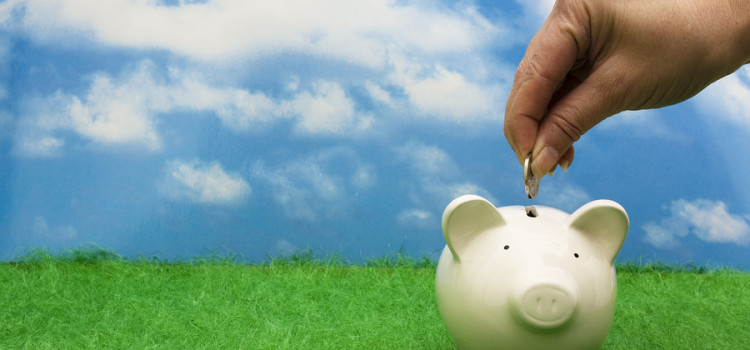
x=530, y=182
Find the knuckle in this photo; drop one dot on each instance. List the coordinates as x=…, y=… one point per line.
x=570, y=128
x=535, y=70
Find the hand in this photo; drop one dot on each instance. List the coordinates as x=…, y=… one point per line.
x=595, y=58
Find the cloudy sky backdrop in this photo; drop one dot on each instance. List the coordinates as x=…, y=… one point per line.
x=180, y=128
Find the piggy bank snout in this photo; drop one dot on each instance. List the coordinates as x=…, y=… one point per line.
x=545, y=306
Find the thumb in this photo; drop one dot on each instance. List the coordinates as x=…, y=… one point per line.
x=570, y=117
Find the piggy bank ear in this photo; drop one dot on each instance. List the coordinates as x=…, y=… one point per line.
x=466, y=217
x=603, y=222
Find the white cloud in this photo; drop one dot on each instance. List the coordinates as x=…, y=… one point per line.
x=203, y=183
x=238, y=109
x=440, y=93
x=646, y=123
x=531, y=18
x=712, y=223
x=709, y=221
x=318, y=186
x=327, y=111
x=540, y=9
x=451, y=42
x=435, y=179
x=42, y=229
x=417, y=218
x=364, y=177
x=663, y=235
x=640, y=118
x=124, y=111
x=115, y=114
x=293, y=84
x=6, y=10
x=728, y=99
x=445, y=191
x=108, y=114
x=448, y=95
x=44, y=146
x=301, y=189
x=414, y=214
x=426, y=160
x=566, y=197
x=284, y=248
x=5, y=52
x=378, y=93
x=360, y=32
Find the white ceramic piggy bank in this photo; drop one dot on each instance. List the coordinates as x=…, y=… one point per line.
x=529, y=277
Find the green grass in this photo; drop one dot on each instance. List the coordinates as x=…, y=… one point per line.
x=95, y=299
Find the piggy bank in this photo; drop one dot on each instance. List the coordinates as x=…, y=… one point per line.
x=529, y=277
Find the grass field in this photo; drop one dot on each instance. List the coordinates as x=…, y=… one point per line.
x=95, y=300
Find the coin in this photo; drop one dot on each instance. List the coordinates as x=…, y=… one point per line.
x=530, y=182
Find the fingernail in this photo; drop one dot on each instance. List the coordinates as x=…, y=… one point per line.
x=545, y=161
x=552, y=172
x=564, y=165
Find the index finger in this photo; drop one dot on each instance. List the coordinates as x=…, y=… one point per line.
x=548, y=59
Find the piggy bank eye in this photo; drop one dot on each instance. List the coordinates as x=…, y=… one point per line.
x=576, y=255
x=506, y=247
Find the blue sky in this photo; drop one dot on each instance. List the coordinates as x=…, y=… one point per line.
x=180, y=128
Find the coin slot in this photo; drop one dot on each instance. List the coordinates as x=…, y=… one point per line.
x=531, y=211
